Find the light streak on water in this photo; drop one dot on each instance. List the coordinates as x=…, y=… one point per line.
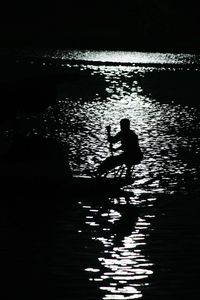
x=125, y=56
x=124, y=268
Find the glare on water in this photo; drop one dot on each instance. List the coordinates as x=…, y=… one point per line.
x=124, y=56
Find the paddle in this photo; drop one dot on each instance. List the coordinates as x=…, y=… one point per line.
x=121, y=168
x=108, y=128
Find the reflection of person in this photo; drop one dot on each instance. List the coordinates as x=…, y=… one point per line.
x=131, y=152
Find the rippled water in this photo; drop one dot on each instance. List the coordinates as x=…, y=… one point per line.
x=126, y=267
x=130, y=247
x=165, y=130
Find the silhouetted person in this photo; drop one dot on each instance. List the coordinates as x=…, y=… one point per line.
x=131, y=152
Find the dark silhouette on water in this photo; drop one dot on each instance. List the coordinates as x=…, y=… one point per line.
x=126, y=224
x=131, y=154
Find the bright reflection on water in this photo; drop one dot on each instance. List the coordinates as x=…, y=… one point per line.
x=125, y=56
x=165, y=131
x=123, y=271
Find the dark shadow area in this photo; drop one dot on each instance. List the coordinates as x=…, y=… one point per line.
x=42, y=253
x=29, y=85
x=122, y=227
x=179, y=87
x=125, y=225
x=173, y=248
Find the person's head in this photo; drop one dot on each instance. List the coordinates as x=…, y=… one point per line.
x=125, y=124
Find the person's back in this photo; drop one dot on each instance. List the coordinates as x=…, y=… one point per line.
x=129, y=141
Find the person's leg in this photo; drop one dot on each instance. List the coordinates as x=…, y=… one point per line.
x=131, y=162
x=129, y=170
x=110, y=163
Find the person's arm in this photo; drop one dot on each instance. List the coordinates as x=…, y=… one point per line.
x=112, y=139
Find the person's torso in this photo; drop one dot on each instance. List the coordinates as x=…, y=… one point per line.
x=129, y=141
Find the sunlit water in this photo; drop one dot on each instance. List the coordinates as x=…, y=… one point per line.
x=126, y=262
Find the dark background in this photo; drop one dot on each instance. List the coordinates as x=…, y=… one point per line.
x=149, y=25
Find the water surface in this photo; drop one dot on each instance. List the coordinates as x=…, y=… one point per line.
x=145, y=245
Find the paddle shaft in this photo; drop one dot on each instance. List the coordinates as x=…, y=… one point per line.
x=108, y=128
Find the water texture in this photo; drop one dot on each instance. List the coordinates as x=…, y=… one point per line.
x=144, y=245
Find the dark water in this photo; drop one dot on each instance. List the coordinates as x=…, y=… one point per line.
x=143, y=246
